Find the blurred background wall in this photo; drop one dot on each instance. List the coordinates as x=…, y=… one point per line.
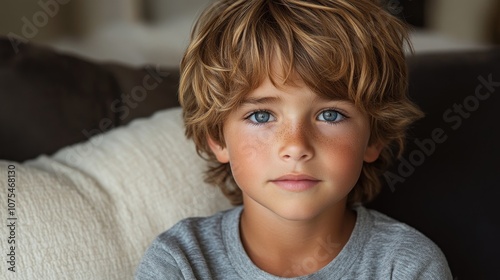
x=466, y=20
x=145, y=31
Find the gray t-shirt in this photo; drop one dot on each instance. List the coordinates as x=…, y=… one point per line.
x=210, y=248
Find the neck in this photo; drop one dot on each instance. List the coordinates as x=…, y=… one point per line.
x=294, y=248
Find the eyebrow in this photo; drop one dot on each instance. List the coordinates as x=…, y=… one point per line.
x=341, y=100
x=260, y=100
x=277, y=99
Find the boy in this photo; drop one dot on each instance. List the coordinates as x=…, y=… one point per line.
x=299, y=106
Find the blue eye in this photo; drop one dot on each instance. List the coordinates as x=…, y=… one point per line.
x=260, y=117
x=330, y=116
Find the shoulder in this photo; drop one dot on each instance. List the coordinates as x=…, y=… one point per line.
x=195, y=230
x=387, y=229
x=200, y=227
x=401, y=236
x=409, y=253
x=174, y=252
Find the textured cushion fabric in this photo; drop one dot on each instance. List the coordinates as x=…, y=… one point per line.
x=90, y=210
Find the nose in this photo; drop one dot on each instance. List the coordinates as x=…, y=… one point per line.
x=296, y=144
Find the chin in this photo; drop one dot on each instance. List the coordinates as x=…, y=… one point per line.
x=307, y=210
x=294, y=212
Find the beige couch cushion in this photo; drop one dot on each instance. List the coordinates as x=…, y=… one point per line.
x=90, y=211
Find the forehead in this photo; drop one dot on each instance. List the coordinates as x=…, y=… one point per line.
x=275, y=84
x=283, y=74
x=268, y=93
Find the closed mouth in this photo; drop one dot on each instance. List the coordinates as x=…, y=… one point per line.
x=296, y=182
x=296, y=177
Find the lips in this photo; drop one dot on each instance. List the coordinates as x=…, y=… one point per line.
x=296, y=182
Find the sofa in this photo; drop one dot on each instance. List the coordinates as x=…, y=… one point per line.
x=94, y=163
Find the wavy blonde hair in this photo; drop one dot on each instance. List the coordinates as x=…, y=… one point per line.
x=351, y=50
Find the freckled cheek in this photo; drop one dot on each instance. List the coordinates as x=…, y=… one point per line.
x=343, y=158
x=249, y=151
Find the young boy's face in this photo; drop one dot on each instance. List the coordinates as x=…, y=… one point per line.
x=293, y=153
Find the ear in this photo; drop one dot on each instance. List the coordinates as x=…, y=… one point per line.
x=220, y=152
x=373, y=151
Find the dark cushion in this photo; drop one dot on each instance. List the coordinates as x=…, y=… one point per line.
x=447, y=183
x=51, y=100
x=144, y=90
